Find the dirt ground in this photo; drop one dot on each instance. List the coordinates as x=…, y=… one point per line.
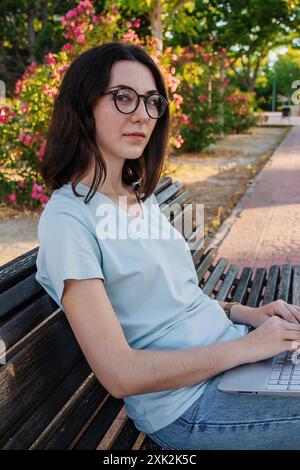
x=219, y=177
x=216, y=178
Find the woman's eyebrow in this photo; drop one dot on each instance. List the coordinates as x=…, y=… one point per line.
x=127, y=86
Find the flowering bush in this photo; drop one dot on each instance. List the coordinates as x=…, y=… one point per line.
x=211, y=105
x=196, y=85
x=24, y=123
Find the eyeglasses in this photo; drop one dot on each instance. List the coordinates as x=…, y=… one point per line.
x=127, y=101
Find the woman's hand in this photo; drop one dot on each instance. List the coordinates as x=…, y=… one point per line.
x=274, y=336
x=280, y=308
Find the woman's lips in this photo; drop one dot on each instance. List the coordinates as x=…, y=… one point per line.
x=135, y=136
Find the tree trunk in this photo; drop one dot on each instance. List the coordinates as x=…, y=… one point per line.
x=156, y=24
x=31, y=33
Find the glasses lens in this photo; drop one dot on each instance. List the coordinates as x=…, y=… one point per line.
x=126, y=100
x=156, y=106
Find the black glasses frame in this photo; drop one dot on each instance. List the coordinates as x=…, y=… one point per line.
x=145, y=97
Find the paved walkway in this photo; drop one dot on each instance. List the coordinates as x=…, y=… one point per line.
x=266, y=231
x=276, y=119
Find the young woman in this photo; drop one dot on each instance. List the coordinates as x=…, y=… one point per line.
x=149, y=333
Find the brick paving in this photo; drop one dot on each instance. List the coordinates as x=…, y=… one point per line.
x=267, y=229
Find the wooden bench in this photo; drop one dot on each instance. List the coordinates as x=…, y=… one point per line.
x=49, y=398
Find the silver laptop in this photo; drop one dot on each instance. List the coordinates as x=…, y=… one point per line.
x=279, y=375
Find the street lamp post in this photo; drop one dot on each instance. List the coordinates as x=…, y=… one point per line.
x=274, y=92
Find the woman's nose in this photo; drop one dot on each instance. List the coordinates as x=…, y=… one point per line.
x=141, y=110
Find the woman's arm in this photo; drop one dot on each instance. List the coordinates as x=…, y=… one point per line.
x=124, y=371
x=256, y=316
x=240, y=313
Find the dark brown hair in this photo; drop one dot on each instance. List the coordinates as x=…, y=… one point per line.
x=71, y=140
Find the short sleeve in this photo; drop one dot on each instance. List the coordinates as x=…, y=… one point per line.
x=67, y=250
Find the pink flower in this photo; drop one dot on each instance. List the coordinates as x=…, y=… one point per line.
x=27, y=140
x=68, y=47
x=37, y=187
x=49, y=91
x=44, y=199
x=21, y=184
x=80, y=38
x=24, y=108
x=137, y=23
x=3, y=119
x=12, y=197
x=21, y=136
x=41, y=151
x=71, y=14
x=50, y=59
x=18, y=87
x=35, y=195
x=178, y=99
x=212, y=120
x=202, y=98
x=128, y=24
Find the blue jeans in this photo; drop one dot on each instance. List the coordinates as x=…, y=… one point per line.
x=219, y=420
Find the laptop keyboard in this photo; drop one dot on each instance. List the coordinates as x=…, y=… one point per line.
x=285, y=375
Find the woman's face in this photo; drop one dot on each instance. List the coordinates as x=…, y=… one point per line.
x=112, y=125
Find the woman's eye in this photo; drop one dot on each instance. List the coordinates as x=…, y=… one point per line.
x=153, y=101
x=120, y=97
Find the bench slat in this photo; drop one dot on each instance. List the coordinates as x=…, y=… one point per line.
x=64, y=430
x=272, y=285
x=241, y=291
x=257, y=287
x=168, y=193
x=205, y=263
x=296, y=285
x=27, y=378
x=17, y=269
x=127, y=437
x=284, y=285
x=31, y=429
x=215, y=276
x=100, y=425
x=21, y=323
x=224, y=290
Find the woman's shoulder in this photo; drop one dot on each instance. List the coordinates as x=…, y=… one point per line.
x=64, y=207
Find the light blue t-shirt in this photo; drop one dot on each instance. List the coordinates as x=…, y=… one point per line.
x=150, y=280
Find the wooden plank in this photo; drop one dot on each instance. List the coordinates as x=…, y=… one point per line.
x=296, y=285
x=18, y=295
x=257, y=287
x=215, y=276
x=29, y=376
x=126, y=437
x=241, y=291
x=99, y=426
x=64, y=430
x=224, y=290
x=272, y=285
x=205, y=263
x=17, y=269
x=162, y=184
x=21, y=323
x=31, y=429
x=285, y=282
x=169, y=192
